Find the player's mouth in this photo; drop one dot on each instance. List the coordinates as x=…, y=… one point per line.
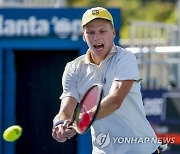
x=99, y=46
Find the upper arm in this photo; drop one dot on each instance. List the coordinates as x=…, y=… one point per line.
x=126, y=68
x=69, y=82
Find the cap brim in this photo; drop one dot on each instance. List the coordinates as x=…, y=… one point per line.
x=83, y=24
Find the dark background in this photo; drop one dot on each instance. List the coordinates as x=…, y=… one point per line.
x=38, y=75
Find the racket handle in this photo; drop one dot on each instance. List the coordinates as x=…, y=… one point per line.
x=75, y=114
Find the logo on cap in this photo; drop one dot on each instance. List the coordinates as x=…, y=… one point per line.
x=95, y=12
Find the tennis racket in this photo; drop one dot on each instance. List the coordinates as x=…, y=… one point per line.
x=86, y=111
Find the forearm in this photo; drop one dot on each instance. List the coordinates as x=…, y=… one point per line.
x=68, y=105
x=108, y=105
x=114, y=99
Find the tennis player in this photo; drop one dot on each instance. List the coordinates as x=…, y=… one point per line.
x=121, y=126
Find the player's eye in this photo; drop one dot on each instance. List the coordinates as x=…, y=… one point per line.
x=90, y=32
x=103, y=31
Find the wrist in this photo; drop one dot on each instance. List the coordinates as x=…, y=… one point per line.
x=58, y=123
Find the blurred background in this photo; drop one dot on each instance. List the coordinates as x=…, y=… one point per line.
x=38, y=38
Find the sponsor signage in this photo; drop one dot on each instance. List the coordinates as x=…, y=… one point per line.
x=64, y=23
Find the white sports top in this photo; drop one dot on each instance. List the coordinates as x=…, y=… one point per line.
x=126, y=131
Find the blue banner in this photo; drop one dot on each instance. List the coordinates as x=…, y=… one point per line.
x=153, y=104
x=62, y=23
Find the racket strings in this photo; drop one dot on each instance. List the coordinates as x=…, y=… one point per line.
x=86, y=111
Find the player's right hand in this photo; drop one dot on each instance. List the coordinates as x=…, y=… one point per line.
x=58, y=133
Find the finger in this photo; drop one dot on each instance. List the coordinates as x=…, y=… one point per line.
x=61, y=140
x=66, y=124
x=54, y=132
x=54, y=135
x=69, y=133
x=59, y=135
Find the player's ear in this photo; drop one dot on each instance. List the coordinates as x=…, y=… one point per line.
x=114, y=33
x=84, y=39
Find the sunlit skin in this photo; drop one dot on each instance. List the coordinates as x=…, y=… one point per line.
x=99, y=35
